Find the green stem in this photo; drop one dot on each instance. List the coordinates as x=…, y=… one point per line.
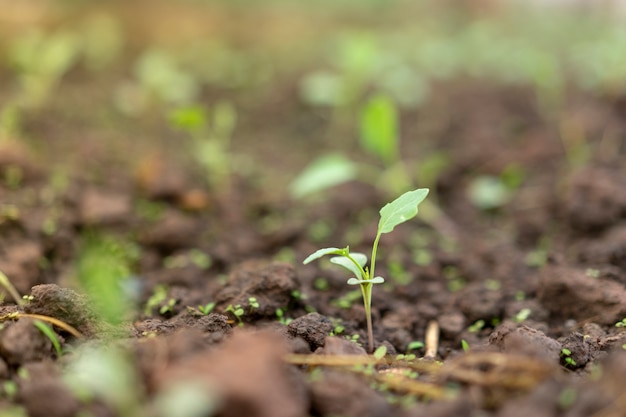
x=366, y=289
x=374, y=250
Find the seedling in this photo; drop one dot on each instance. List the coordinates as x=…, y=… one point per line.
x=237, y=311
x=158, y=296
x=621, y=323
x=522, y=315
x=253, y=302
x=211, y=135
x=416, y=344
x=567, y=358
x=207, y=308
x=167, y=307
x=347, y=299
x=477, y=326
x=392, y=214
x=280, y=315
x=465, y=346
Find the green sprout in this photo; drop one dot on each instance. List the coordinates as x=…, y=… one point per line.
x=211, y=135
x=522, y=315
x=477, y=326
x=567, y=358
x=416, y=344
x=392, y=214
x=237, y=311
x=168, y=307
x=207, y=308
x=201, y=310
x=465, y=346
x=253, y=302
x=280, y=316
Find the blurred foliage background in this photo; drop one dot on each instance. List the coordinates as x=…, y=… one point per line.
x=110, y=75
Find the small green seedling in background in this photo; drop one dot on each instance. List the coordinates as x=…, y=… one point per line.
x=522, y=315
x=621, y=323
x=168, y=307
x=567, y=358
x=380, y=352
x=392, y=214
x=201, y=310
x=159, y=295
x=280, y=315
x=477, y=326
x=465, y=346
x=237, y=311
x=211, y=134
x=207, y=308
x=347, y=299
x=414, y=345
x=253, y=302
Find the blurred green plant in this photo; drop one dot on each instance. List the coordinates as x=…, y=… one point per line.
x=211, y=135
x=104, y=270
x=105, y=374
x=40, y=60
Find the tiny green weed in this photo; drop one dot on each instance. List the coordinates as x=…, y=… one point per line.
x=522, y=315
x=236, y=311
x=477, y=326
x=392, y=214
x=253, y=302
x=280, y=316
x=207, y=308
x=159, y=295
x=567, y=358
x=465, y=346
x=414, y=345
x=168, y=307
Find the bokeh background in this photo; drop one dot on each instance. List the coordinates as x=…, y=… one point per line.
x=278, y=83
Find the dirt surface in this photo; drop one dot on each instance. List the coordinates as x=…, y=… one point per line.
x=214, y=313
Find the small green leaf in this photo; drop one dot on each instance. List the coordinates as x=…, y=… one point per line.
x=323, y=173
x=347, y=263
x=416, y=344
x=377, y=280
x=400, y=210
x=380, y=352
x=322, y=252
x=379, y=128
x=354, y=281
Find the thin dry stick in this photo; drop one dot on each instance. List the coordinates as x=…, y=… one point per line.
x=394, y=382
x=398, y=383
x=431, y=340
x=331, y=360
x=56, y=322
x=496, y=369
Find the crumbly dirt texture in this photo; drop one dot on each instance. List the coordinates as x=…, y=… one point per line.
x=185, y=295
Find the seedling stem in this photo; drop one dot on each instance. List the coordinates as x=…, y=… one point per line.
x=392, y=214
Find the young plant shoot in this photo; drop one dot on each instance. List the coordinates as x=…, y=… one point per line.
x=392, y=214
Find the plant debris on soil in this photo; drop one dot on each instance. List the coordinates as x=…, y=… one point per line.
x=144, y=280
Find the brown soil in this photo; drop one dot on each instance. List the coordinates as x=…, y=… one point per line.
x=518, y=284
